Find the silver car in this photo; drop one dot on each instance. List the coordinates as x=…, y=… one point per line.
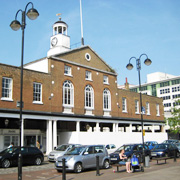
x=60, y=151
x=83, y=157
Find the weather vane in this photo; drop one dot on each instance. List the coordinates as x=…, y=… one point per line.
x=59, y=14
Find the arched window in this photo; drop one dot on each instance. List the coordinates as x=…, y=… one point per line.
x=68, y=93
x=106, y=99
x=89, y=97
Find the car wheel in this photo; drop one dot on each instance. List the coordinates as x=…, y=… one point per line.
x=78, y=168
x=106, y=164
x=59, y=171
x=178, y=154
x=38, y=161
x=6, y=163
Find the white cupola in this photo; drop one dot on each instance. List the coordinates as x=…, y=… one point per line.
x=59, y=41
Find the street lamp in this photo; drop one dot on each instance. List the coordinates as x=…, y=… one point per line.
x=16, y=25
x=138, y=65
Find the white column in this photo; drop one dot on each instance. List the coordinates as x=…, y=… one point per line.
x=22, y=132
x=163, y=129
x=114, y=127
x=47, y=137
x=78, y=126
x=152, y=128
x=97, y=127
x=130, y=128
x=54, y=134
x=117, y=127
x=50, y=136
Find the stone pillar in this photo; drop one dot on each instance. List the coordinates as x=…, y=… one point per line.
x=130, y=128
x=78, y=126
x=54, y=134
x=97, y=126
x=22, y=132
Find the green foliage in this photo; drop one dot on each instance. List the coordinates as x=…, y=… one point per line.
x=174, y=121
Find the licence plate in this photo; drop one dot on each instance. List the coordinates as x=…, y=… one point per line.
x=153, y=154
x=113, y=159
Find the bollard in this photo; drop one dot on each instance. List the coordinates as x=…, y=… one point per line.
x=174, y=155
x=63, y=169
x=97, y=166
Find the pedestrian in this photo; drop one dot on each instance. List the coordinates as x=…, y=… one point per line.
x=11, y=145
x=38, y=144
x=125, y=160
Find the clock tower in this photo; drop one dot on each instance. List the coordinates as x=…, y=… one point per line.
x=59, y=41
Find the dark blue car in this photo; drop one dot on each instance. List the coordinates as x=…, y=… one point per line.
x=165, y=150
x=129, y=150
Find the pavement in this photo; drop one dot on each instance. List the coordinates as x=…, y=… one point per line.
x=170, y=170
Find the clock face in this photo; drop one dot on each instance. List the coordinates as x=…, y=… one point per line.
x=54, y=41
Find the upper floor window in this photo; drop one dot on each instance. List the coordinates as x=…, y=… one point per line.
x=67, y=70
x=124, y=105
x=88, y=75
x=147, y=108
x=37, y=92
x=105, y=80
x=157, y=110
x=6, y=88
x=106, y=99
x=68, y=93
x=136, y=106
x=89, y=97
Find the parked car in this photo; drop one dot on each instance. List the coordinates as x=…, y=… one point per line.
x=165, y=150
x=151, y=144
x=110, y=148
x=60, y=151
x=171, y=141
x=83, y=157
x=178, y=146
x=30, y=155
x=129, y=150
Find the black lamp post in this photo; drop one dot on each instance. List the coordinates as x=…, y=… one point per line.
x=16, y=25
x=138, y=65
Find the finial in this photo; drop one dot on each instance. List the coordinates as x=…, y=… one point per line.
x=59, y=14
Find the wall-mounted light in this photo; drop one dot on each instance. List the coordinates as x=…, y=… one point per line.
x=6, y=122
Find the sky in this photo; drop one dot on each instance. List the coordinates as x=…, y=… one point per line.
x=115, y=29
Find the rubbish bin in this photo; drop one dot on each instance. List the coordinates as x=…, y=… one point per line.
x=146, y=161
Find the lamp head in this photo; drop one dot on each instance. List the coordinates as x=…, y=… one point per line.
x=147, y=62
x=15, y=25
x=129, y=66
x=32, y=14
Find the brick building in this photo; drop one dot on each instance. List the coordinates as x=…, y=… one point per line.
x=70, y=91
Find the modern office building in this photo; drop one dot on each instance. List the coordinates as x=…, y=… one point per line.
x=71, y=96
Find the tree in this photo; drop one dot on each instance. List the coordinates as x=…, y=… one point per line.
x=174, y=121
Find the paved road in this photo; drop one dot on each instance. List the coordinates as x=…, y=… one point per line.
x=155, y=171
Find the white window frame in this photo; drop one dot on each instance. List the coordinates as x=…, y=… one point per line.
x=105, y=79
x=157, y=110
x=88, y=76
x=124, y=104
x=136, y=106
x=37, y=92
x=147, y=108
x=89, y=97
x=106, y=100
x=68, y=94
x=67, y=70
x=7, y=89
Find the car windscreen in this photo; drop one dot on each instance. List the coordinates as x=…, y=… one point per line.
x=161, y=146
x=9, y=150
x=127, y=148
x=148, y=143
x=62, y=147
x=75, y=151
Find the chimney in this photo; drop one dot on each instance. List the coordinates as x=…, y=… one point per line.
x=126, y=84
